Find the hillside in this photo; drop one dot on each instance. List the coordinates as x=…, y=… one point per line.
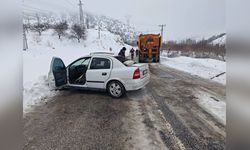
x=212, y=39
x=92, y=21
x=217, y=39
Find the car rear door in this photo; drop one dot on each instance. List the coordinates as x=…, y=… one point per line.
x=98, y=72
x=58, y=70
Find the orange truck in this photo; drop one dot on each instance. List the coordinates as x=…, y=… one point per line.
x=149, y=47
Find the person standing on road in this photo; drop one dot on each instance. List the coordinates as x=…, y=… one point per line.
x=136, y=52
x=122, y=52
x=132, y=53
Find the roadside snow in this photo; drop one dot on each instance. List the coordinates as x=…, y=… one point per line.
x=36, y=92
x=203, y=67
x=212, y=105
x=36, y=60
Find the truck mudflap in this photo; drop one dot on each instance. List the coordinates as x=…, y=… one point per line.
x=146, y=59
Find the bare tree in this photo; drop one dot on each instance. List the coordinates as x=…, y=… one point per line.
x=200, y=49
x=60, y=28
x=78, y=32
x=40, y=27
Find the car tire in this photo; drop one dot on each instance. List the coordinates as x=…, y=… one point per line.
x=116, y=89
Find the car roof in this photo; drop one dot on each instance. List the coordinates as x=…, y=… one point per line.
x=98, y=56
x=102, y=53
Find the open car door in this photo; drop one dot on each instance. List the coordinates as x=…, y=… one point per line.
x=58, y=72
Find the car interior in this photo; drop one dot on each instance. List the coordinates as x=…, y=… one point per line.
x=77, y=71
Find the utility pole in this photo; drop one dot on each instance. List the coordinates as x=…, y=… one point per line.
x=99, y=31
x=38, y=19
x=162, y=30
x=128, y=17
x=81, y=13
x=25, y=43
x=87, y=21
x=28, y=23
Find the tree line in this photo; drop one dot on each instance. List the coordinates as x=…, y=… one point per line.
x=77, y=31
x=199, y=49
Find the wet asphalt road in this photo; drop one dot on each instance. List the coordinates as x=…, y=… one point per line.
x=163, y=115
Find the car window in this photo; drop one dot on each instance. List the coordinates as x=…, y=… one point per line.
x=58, y=65
x=150, y=40
x=100, y=63
x=83, y=61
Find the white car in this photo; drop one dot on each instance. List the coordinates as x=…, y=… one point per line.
x=99, y=71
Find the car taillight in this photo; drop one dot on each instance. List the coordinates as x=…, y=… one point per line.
x=136, y=74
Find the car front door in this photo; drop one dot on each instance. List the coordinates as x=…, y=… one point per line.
x=77, y=72
x=98, y=72
x=57, y=72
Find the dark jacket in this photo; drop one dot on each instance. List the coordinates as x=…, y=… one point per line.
x=122, y=53
x=132, y=51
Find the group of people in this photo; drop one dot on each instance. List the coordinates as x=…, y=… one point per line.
x=132, y=52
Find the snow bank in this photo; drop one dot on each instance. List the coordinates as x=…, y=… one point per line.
x=36, y=60
x=36, y=92
x=212, y=105
x=206, y=68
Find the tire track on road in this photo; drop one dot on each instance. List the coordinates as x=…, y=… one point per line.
x=192, y=125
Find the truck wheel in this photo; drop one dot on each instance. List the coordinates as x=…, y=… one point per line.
x=115, y=89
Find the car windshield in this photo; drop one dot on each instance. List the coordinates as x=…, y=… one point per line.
x=82, y=61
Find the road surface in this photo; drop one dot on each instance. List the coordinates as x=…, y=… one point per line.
x=163, y=115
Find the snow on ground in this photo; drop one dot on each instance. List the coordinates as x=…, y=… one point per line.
x=203, y=67
x=36, y=92
x=212, y=105
x=220, y=41
x=36, y=60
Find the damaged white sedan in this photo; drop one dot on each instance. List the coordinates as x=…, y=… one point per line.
x=99, y=71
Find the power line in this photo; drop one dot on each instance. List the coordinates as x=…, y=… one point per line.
x=64, y=6
x=70, y=3
x=31, y=7
x=50, y=3
x=149, y=30
x=36, y=10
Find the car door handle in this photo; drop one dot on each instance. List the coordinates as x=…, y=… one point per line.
x=104, y=73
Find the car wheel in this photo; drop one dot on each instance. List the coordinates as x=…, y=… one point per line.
x=115, y=89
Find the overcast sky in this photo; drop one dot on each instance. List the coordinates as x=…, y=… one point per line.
x=183, y=18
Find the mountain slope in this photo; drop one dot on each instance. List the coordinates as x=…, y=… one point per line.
x=217, y=39
x=92, y=21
